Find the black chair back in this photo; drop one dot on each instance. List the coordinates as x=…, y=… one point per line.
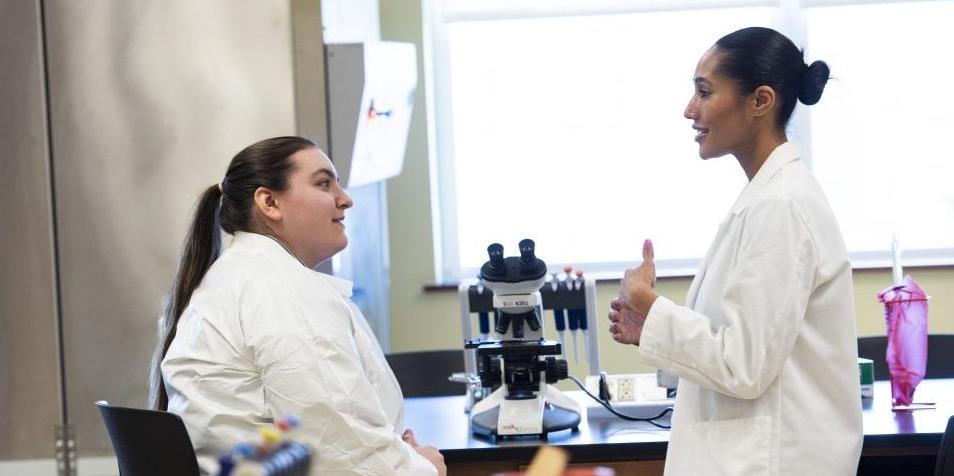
x=149, y=443
x=945, y=454
x=424, y=374
x=940, y=362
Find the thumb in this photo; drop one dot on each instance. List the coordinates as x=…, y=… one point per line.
x=648, y=251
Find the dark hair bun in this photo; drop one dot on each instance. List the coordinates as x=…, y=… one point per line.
x=813, y=83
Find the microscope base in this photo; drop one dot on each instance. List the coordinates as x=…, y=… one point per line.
x=496, y=416
x=554, y=419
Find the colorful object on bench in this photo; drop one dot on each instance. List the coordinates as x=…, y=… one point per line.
x=275, y=454
x=906, y=318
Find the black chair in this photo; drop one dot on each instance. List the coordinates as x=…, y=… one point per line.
x=940, y=363
x=149, y=443
x=945, y=454
x=424, y=374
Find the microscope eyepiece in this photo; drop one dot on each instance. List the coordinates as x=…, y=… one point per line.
x=495, y=252
x=526, y=251
x=512, y=269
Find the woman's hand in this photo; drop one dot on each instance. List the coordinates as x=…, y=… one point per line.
x=636, y=297
x=636, y=289
x=627, y=325
x=429, y=452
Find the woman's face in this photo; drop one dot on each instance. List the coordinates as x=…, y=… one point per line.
x=313, y=208
x=717, y=110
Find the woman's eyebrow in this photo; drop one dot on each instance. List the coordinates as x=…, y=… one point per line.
x=325, y=171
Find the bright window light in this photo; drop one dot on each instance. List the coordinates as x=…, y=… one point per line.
x=880, y=139
x=567, y=126
x=570, y=131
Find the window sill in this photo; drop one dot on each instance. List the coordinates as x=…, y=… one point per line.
x=608, y=278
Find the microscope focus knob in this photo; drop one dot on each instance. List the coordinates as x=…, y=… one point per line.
x=556, y=369
x=489, y=372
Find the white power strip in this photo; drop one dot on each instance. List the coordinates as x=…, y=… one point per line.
x=595, y=411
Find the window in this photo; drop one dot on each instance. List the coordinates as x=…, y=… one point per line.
x=564, y=123
x=880, y=133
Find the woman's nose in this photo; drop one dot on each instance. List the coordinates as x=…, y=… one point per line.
x=344, y=200
x=690, y=112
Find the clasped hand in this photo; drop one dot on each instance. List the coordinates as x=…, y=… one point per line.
x=636, y=296
x=429, y=452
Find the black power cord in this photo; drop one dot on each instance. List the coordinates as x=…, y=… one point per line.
x=606, y=405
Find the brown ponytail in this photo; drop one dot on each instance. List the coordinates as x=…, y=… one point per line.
x=202, y=246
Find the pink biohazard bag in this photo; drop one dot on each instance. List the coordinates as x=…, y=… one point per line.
x=905, y=314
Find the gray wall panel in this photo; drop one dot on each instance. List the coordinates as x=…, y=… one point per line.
x=149, y=101
x=29, y=389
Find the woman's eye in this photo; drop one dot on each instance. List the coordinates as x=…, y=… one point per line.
x=703, y=93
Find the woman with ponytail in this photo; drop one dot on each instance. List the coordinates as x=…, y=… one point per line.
x=253, y=333
x=765, y=348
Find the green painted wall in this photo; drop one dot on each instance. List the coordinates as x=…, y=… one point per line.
x=421, y=320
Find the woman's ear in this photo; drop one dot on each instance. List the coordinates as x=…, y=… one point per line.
x=763, y=101
x=267, y=205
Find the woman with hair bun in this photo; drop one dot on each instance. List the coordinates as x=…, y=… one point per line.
x=253, y=333
x=765, y=348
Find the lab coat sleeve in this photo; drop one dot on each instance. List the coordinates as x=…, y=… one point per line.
x=764, y=301
x=318, y=376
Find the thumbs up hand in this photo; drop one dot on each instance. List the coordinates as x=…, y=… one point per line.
x=636, y=297
x=645, y=272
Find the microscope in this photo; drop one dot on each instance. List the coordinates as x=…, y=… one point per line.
x=518, y=366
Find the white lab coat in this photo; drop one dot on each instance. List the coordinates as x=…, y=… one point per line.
x=265, y=337
x=766, y=346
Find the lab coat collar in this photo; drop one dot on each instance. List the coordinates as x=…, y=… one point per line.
x=783, y=154
x=342, y=286
x=267, y=246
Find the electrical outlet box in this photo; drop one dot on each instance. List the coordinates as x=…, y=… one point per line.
x=628, y=387
x=633, y=394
